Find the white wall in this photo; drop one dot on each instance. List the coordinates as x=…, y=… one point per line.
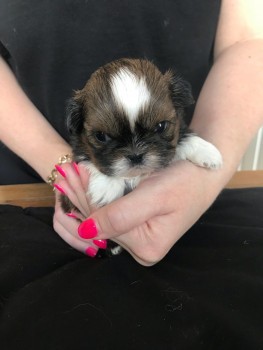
x=253, y=158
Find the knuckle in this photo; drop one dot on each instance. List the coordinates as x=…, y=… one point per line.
x=116, y=220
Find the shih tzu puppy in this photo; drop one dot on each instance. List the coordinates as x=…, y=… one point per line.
x=127, y=122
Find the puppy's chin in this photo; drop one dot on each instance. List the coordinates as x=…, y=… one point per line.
x=123, y=168
x=136, y=171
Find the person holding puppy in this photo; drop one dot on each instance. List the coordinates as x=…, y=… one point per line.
x=229, y=110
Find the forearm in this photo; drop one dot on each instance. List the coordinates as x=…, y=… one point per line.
x=230, y=108
x=24, y=129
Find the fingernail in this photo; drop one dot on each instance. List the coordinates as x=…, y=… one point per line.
x=60, y=170
x=101, y=243
x=71, y=215
x=59, y=188
x=75, y=166
x=92, y=252
x=87, y=229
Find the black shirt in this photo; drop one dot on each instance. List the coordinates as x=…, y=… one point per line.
x=54, y=46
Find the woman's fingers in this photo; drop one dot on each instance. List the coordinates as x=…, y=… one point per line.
x=67, y=226
x=73, y=182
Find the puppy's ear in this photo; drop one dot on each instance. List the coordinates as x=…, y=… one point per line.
x=74, y=116
x=181, y=91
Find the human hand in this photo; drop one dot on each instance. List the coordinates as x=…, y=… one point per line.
x=148, y=221
x=72, y=182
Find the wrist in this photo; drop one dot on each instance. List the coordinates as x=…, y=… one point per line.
x=67, y=158
x=207, y=183
x=46, y=161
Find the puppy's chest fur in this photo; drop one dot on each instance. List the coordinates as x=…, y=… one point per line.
x=104, y=189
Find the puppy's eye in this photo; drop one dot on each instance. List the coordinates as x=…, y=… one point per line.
x=160, y=127
x=102, y=137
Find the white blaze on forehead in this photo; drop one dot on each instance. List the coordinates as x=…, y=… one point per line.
x=130, y=93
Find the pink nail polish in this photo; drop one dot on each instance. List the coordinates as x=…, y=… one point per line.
x=92, y=252
x=101, y=243
x=87, y=229
x=71, y=215
x=60, y=170
x=59, y=188
x=75, y=166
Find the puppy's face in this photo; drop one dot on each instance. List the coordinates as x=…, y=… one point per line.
x=128, y=118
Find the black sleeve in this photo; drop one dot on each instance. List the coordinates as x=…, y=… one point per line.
x=3, y=51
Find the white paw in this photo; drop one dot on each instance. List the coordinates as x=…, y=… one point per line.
x=199, y=152
x=116, y=250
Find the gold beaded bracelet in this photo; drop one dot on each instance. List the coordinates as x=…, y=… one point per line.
x=67, y=158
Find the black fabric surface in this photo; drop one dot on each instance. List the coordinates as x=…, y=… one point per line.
x=206, y=293
x=54, y=47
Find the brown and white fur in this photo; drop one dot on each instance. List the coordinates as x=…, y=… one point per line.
x=127, y=122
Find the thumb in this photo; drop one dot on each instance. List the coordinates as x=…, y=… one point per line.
x=122, y=215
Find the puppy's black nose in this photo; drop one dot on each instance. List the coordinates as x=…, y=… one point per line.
x=135, y=158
